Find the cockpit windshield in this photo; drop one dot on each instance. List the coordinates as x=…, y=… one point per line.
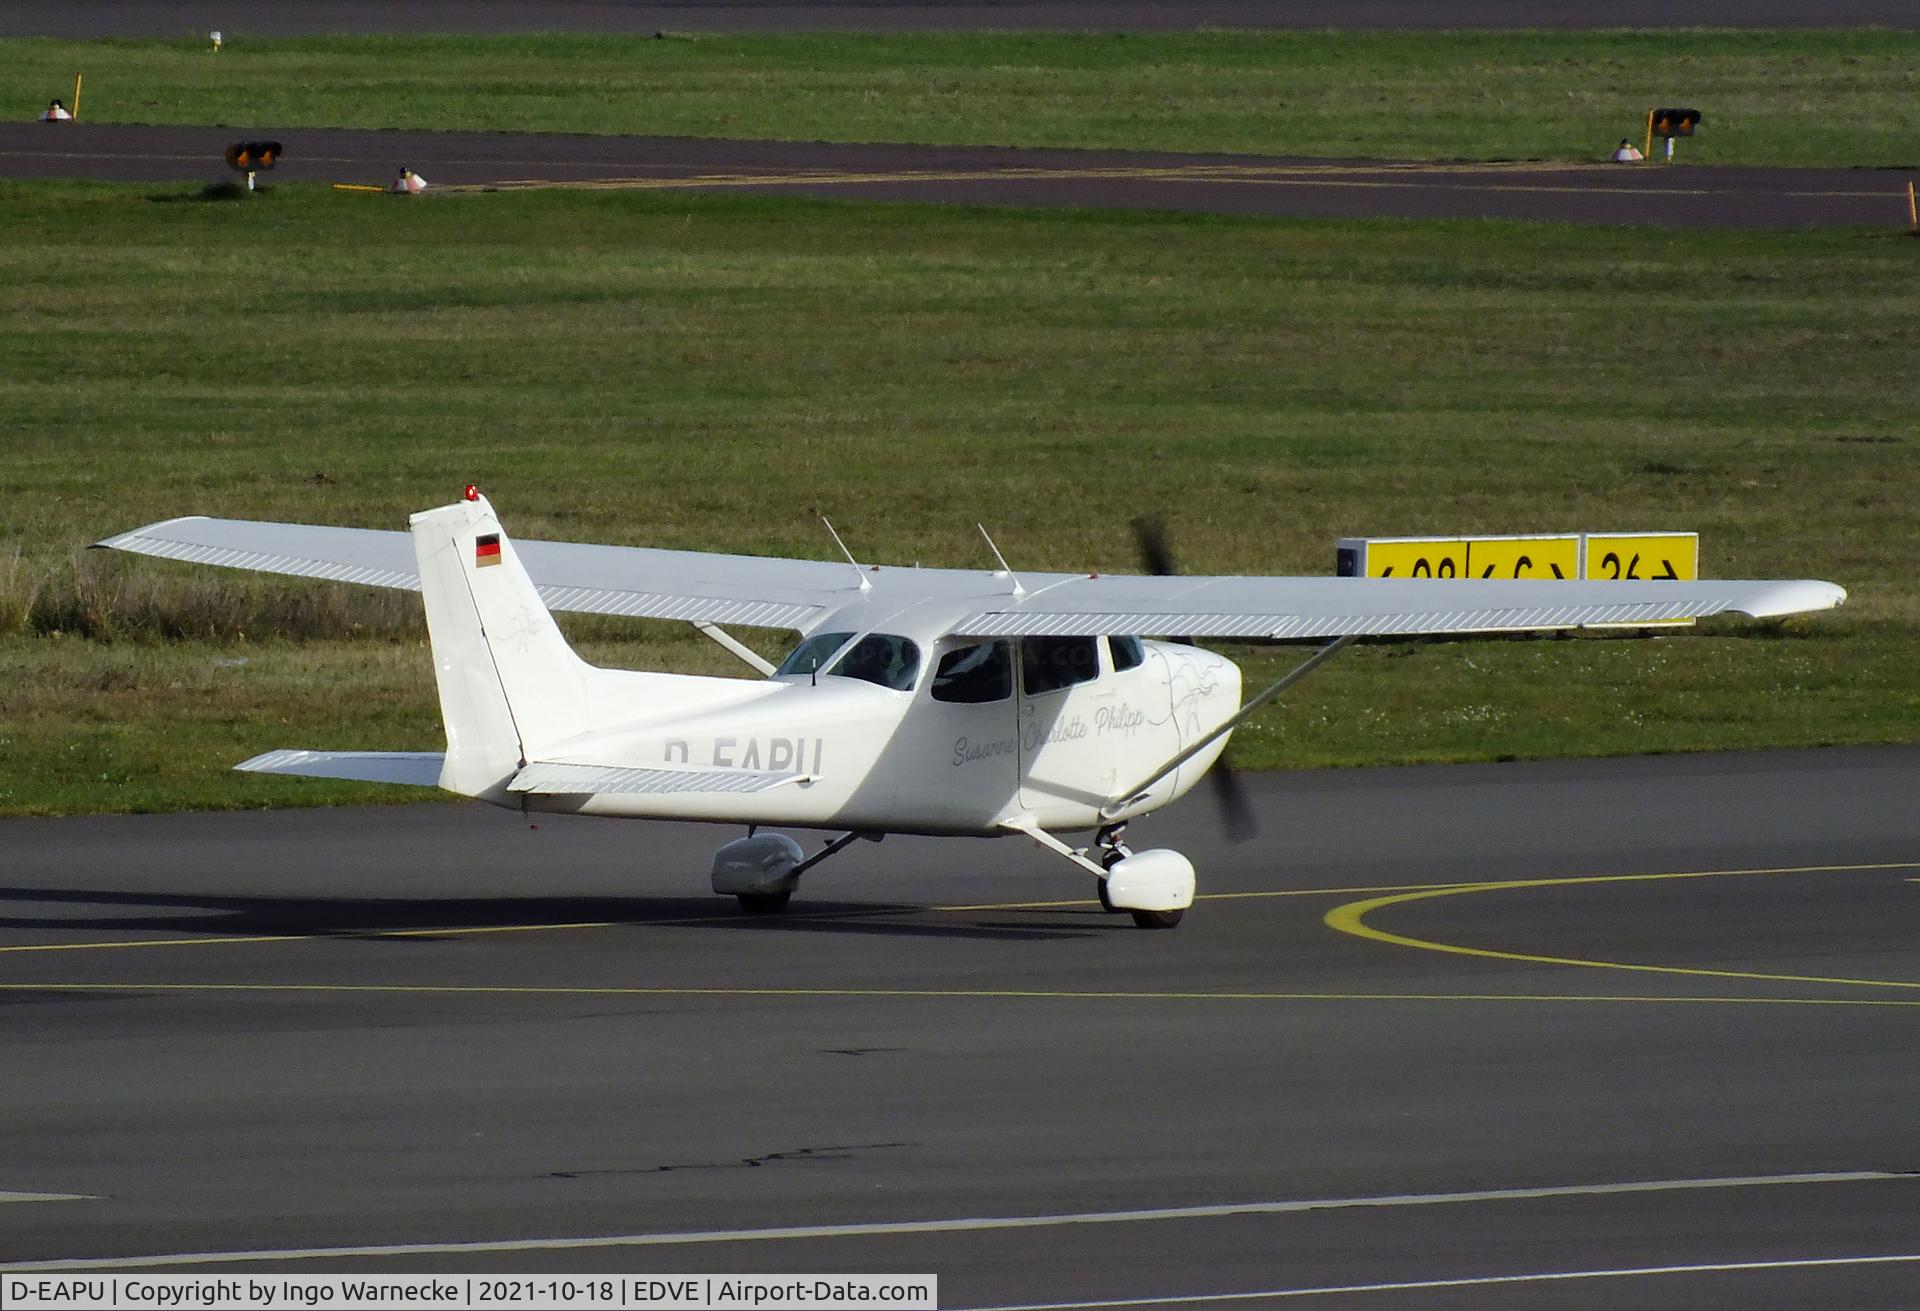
x=882, y=658
x=811, y=654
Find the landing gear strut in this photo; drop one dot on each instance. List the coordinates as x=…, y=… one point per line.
x=1111, y=843
x=762, y=869
x=1155, y=887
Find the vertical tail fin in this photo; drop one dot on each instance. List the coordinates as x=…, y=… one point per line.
x=509, y=683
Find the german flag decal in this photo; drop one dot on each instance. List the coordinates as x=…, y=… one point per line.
x=486, y=550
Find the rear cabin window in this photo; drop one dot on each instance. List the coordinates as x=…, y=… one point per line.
x=811, y=654
x=881, y=658
x=1048, y=664
x=1127, y=652
x=974, y=675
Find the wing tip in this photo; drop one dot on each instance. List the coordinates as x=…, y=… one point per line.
x=126, y=541
x=1794, y=597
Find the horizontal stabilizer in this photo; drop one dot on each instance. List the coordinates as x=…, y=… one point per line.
x=416, y=768
x=549, y=779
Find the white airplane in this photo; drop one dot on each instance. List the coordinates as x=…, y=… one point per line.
x=930, y=701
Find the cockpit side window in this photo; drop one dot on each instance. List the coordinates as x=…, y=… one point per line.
x=974, y=675
x=1127, y=652
x=811, y=654
x=881, y=658
x=1048, y=664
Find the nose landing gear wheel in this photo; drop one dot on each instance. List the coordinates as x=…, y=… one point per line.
x=765, y=903
x=1113, y=849
x=1157, y=919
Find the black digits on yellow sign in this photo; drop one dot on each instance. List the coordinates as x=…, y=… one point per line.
x=1612, y=560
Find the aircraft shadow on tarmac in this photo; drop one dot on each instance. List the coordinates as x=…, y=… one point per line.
x=405, y=919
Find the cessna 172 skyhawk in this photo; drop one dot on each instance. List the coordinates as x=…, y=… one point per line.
x=934, y=701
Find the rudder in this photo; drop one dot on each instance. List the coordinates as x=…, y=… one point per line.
x=509, y=683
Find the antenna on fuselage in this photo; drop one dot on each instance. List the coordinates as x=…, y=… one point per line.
x=858, y=572
x=1018, y=590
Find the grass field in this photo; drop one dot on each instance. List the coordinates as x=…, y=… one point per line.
x=708, y=372
x=1790, y=97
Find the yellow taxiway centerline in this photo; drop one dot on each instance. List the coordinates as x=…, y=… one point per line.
x=322, y=937
x=1214, y=174
x=1351, y=918
x=1211, y=896
x=1363, y=176
x=464, y=931
x=1346, y=918
x=1411, y=891
x=946, y=994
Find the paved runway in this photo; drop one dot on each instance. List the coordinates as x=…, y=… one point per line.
x=1650, y=194
x=1437, y=1026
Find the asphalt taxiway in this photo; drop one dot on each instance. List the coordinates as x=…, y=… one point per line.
x=1101, y=179
x=1650, y=195
x=1495, y=1036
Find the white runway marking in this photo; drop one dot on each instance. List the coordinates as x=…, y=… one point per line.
x=1485, y=1281
x=968, y=1224
x=45, y=1197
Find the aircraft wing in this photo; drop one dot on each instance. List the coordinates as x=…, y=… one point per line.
x=772, y=592
x=609, y=580
x=1337, y=607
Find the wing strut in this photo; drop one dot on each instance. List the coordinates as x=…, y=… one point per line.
x=1234, y=721
x=735, y=645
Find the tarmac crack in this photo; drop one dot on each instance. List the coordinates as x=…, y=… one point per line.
x=840, y=1153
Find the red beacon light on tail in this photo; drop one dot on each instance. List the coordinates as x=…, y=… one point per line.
x=472, y=493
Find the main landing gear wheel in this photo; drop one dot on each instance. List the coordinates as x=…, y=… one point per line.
x=769, y=903
x=1106, y=902
x=1157, y=919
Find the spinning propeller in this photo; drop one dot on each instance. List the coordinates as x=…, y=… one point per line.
x=1236, y=812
